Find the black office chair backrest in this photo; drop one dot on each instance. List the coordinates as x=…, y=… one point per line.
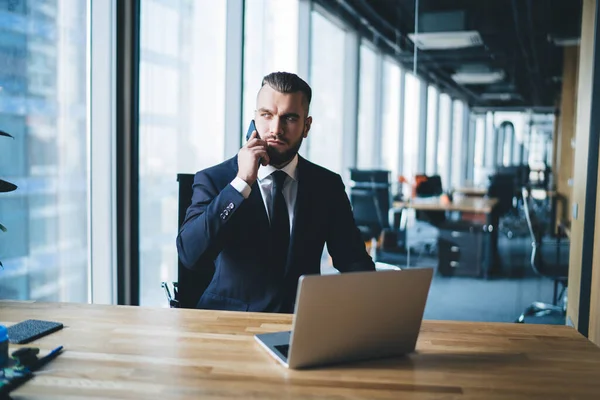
x=370, y=199
x=502, y=186
x=370, y=176
x=430, y=187
x=370, y=208
x=191, y=283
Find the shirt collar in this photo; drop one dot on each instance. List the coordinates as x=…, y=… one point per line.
x=290, y=169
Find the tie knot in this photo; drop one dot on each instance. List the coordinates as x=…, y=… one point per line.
x=278, y=179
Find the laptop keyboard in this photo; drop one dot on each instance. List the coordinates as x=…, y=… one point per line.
x=283, y=349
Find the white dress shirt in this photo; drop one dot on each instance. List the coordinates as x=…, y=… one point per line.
x=265, y=183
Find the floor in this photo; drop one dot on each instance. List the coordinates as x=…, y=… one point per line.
x=500, y=299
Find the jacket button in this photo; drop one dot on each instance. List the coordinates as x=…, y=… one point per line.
x=230, y=206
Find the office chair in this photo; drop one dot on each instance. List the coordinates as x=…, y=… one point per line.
x=370, y=200
x=555, y=249
x=504, y=186
x=190, y=284
x=430, y=186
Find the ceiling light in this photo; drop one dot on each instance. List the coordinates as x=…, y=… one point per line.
x=446, y=40
x=505, y=96
x=478, y=77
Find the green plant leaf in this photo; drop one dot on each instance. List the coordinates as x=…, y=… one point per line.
x=2, y=133
x=3, y=228
x=6, y=186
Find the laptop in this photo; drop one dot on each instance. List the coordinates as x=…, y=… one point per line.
x=352, y=316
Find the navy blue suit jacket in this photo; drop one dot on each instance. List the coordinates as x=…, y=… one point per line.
x=222, y=227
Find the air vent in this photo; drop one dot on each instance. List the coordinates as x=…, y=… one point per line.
x=446, y=40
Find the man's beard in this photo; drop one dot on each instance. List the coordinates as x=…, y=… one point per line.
x=277, y=158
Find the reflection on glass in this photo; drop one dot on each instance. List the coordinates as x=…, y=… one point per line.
x=270, y=44
x=327, y=81
x=366, y=107
x=410, y=154
x=390, y=145
x=182, y=118
x=432, y=116
x=43, y=94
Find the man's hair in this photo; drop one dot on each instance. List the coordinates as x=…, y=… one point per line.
x=286, y=82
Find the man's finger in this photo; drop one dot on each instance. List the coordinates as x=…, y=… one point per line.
x=265, y=160
x=255, y=142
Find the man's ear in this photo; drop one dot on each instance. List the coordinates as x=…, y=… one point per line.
x=307, y=124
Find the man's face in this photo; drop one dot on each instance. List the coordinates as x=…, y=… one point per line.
x=281, y=121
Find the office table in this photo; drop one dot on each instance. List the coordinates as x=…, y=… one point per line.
x=479, y=210
x=151, y=353
x=476, y=191
x=463, y=204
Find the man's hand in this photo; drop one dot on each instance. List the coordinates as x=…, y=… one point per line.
x=248, y=158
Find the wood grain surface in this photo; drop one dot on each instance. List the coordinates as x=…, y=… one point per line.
x=118, y=352
x=464, y=204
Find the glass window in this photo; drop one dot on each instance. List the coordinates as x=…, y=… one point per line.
x=480, y=177
x=182, y=121
x=444, y=140
x=327, y=106
x=367, y=107
x=509, y=137
x=432, y=116
x=270, y=44
x=390, y=145
x=458, y=158
x=43, y=104
x=410, y=149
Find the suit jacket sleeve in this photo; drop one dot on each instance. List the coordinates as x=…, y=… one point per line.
x=205, y=228
x=344, y=242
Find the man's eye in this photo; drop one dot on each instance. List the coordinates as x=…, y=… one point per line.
x=291, y=119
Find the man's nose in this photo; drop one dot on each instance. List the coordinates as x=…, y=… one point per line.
x=276, y=126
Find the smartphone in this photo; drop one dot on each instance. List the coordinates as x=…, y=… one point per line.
x=251, y=129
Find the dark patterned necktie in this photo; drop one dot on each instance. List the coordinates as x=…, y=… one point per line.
x=280, y=222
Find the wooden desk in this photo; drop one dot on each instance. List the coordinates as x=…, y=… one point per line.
x=463, y=204
x=471, y=191
x=147, y=353
x=479, y=210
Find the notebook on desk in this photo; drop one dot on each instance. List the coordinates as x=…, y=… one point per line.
x=352, y=316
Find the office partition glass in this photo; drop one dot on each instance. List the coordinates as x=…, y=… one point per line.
x=444, y=143
x=367, y=107
x=410, y=149
x=480, y=177
x=327, y=106
x=43, y=104
x=509, y=138
x=181, y=121
x=390, y=143
x=458, y=157
x=270, y=44
x=432, y=130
